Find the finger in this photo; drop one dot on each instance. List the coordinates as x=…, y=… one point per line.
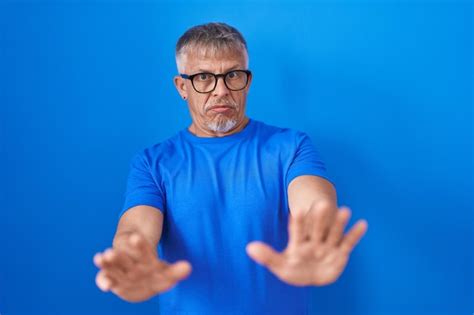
x=113, y=269
x=170, y=275
x=265, y=255
x=122, y=260
x=104, y=281
x=116, y=274
x=321, y=215
x=98, y=260
x=296, y=229
x=330, y=219
x=116, y=260
x=103, y=260
x=178, y=270
x=337, y=230
x=353, y=236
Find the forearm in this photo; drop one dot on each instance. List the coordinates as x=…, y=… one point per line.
x=307, y=192
x=144, y=220
x=121, y=238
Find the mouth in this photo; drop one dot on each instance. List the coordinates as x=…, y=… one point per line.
x=220, y=108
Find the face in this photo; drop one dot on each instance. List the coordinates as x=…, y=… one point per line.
x=222, y=111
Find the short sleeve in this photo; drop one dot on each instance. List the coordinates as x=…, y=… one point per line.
x=143, y=186
x=306, y=160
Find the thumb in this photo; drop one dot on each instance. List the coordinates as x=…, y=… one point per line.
x=264, y=254
x=179, y=270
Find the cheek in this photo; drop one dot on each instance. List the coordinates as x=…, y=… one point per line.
x=240, y=100
x=198, y=104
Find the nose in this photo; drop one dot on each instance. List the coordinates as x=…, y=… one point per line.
x=221, y=89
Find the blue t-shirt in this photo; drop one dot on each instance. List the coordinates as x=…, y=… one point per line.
x=217, y=195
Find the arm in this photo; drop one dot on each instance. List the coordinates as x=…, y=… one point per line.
x=307, y=191
x=132, y=269
x=144, y=220
x=317, y=250
x=313, y=194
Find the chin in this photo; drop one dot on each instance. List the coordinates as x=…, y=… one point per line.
x=222, y=125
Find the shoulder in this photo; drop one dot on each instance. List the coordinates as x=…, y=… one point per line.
x=281, y=135
x=159, y=151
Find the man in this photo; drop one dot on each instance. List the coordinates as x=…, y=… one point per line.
x=243, y=212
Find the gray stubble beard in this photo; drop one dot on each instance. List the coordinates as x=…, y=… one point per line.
x=222, y=126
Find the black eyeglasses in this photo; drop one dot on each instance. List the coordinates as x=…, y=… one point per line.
x=205, y=82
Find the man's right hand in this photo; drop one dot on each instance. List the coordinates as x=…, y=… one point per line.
x=134, y=272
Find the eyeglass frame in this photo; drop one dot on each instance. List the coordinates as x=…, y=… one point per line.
x=217, y=76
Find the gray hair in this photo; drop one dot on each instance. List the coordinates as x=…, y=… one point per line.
x=210, y=39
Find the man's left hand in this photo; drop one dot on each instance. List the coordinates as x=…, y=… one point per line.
x=317, y=250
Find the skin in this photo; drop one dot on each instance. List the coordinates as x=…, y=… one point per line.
x=199, y=104
x=131, y=269
x=317, y=251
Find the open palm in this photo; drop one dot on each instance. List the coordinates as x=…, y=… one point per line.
x=317, y=250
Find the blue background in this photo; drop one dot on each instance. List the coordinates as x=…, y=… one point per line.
x=384, y=89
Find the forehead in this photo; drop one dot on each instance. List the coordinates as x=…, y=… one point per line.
x=198, y=61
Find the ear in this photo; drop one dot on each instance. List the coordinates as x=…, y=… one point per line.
x=180, y=85
x=250, y=82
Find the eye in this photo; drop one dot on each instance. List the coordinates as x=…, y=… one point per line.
x=232, y=74
x=203, y=77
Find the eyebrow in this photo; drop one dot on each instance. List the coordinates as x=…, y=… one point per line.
x=208, y=71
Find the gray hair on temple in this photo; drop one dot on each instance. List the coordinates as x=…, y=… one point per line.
x=210, y=39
